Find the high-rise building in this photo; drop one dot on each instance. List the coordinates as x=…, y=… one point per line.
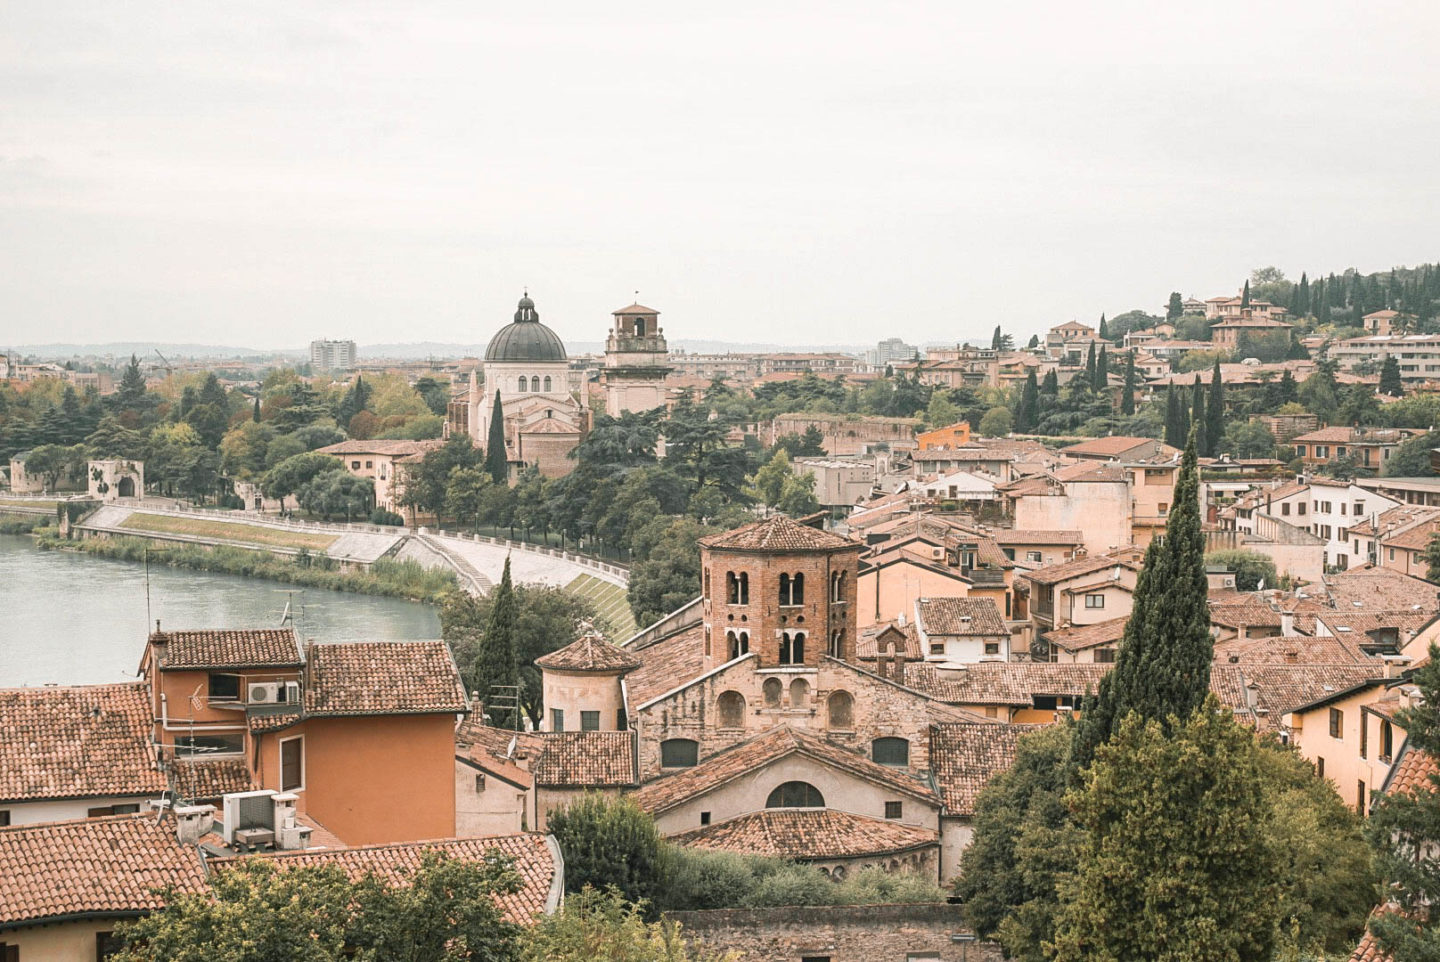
x=893, y=349
x=332, y=355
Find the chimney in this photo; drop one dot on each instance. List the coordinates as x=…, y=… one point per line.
x=290, y=835
x=192, y=822
x=1395, y=665
x=1287, y=622
x=1252, y=696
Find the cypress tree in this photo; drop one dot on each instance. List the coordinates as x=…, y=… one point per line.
x=1029, y=412
x=1034, y=341
x=1170, y=415
x=495, y=663
x=1090, y=366
x=255, y=411
x=1163, y=666
x=1102, y=370
x=1104, y=330
x=1301, y=306
x=1175, y=308
x=1198, y=421
x=1127, y=397
x=1245, y=296
x=995, y=339
x=1215, y=412
x=496, y=461
x=1390, y=382
x=1050, y=384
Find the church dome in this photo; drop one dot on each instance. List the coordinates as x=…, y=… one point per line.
x=525, y=338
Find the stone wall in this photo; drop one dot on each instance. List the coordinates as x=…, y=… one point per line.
x=840, y=933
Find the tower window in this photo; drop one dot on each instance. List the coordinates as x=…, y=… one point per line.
x=836, y=643
x=792, y=589
x=792, y=648
x=731, y=706
x=547, y=385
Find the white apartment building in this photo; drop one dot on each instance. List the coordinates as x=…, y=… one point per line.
x=1418, y=354
x=1335, y=508
x=332, y=355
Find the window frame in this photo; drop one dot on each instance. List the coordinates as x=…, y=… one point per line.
x=284, y=742
x=691, y=753
x=889, y=742
x=589, y=721
x=210, y=687
x=1337, y=723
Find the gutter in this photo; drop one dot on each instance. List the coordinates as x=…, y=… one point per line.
x=556, y=896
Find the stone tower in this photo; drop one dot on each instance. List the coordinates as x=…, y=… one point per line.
x=636, y=361
x=781, y=590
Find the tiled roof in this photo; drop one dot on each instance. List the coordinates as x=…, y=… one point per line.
x=1053, y=574
x=1020, y=536
x=532, y=857
x=211, y=778
x=382, y=678
x=1254, y=614
x=1279, y=689
x=1380, y=589
x=668, y=664
x=777, y=533
x=77, y=742
x=1414, y=771
x=386, y=447
x=1084, y=637
x=261, y=722
x=636, y=309
x=1094, y=471
x=1112, y=446
x=1362, y=621
x=590, y=652
x=807, y=834
x=92, y=867
x=590, y=759
x=867, y=645
x=244, y=648
x=1003, y=683
x=960, y=617
x=750, y=756
x=964, y=757
x=1285, y=649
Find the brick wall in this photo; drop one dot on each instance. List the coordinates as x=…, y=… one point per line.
x=841, y=933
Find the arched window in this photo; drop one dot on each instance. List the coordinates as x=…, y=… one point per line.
x=771, y=690
x=744, y=588
x=795, y=795
x=732, y=588
x=639, y=327
x=797, y=589
x=547, y=384
x=840, y=706
x=834, y=586
x=792, y=648
x=891, y=751
x=837, y=643
x=679, y=753
x=744, y=644
x=784, y=589
x=707, y=584
x=524, y=384
x=1387, y=740
x=731, y=707
x=799, y=692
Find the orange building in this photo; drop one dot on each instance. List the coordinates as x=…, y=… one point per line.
x=243, y=710
x=955, y=435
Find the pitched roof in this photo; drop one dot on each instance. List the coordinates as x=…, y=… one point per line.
x=92, y=867
x=1106, y=447
x=1414, y=771
x=666, y=664
x=590, y=759
x=1278, y=689
x=378, y=446
x=1380, y=589
x=532, y=856
x=778, y=533
x=226, y=648
x=960, y=617
x=1003, y=683
x=749, y=756
x=1084, y=637
x=636, y=309
x=382, y=678
x=1020, y=536
x=1053, y=574
x=77, y=742
x=807, y=834
x=590, y=652
x=964, y=757
x=1285, y=649
x=867, y=645
x=199, y=780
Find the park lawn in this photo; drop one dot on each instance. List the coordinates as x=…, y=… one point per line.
x=611, y=601
x=28, y=503
x=228, y=531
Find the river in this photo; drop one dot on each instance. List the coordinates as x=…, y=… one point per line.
x=74, y=619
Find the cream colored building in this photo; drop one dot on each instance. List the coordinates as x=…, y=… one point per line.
x=1351, y=736
x=111, y=480
x=383, y=462
x=635, y=361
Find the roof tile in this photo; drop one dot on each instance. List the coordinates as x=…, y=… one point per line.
x=227, y=648
x=964, y=757
x=778, y=533
x=382, y=678
x=808, y=834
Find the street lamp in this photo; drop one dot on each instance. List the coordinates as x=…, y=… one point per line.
x=964, y=939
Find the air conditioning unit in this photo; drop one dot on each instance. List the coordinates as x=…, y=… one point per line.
x=244, y=811
x=265, y=693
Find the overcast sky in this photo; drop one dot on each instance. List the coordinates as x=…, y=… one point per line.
x=263, y=173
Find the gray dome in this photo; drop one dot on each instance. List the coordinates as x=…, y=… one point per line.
x=525, y=338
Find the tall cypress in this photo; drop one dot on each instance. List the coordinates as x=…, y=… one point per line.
x=496, y=461
x=1198, y=421
x=1301, y=305
x=1127, y=398
x=1102, y=370
x=255, y=411
x=1029, y=412
x=1170, y=415
x=1104, y=329
x=1090, y=366
x=1177, y=416
x=1050, y=384
x=1163, y=666
x=1245, y=296
x=995, y=339
x=1215, y=411
x=495, y=663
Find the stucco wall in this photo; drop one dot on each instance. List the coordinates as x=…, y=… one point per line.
x=25, y=813
x=61, y=942
x=887, y=592
x=1100, y=510
x=574, y=692
x=496, y=808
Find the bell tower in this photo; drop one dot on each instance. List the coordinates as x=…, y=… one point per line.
x=636, y=361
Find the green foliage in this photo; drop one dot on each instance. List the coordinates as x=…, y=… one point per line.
x=769, y=482
x=600, y=926
x=427, y=484
x=497, y=461
x=1175, y=306
x=1176, y=860
x=445, y=911
x=1192, y=361
x=1390, y=382
x=495, y=661
x=1132, y=384
x=1163, y=665
x=383, y=517
x=337, y=494
x=609, y=842
x=1028, y=412
x=1250, y=567
x=996, y=423
x=295, y=472
x=1215, y=412
x=667, y=572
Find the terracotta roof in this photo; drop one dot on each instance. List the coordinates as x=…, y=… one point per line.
x=960, y=617
x=1380, y=589
x=1084, y=637
x=1053, y=574
x=243, y=648
x=667, y=664
x=588, y=759
x=1112, y=446
x=261, y=722
x=92, y=867
x=964, y=757
x=807, y=834
x=1285, y=649
x=748, y=757
x=1279, y=689
x=778, y=533
x=1003, y=683
x=867, y=645
x=1105, y=472
x=1414, y=771
x=1039, y=536
x=636, y=309
x=77, y=742
x=211, y=778
x=590, y=652
x=382, y=678
x=1369, y=950
x=1254, y=614
x=1353, y=622
x=386, y=447
x=531, y=855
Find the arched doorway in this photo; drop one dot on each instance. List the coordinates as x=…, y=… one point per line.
x=126, y=488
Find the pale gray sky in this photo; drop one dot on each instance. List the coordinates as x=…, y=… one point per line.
x=263, y=173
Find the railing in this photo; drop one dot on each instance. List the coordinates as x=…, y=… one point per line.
x=586, y=561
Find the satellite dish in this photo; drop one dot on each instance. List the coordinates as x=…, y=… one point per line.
x=1260, y=585
x=510, y=749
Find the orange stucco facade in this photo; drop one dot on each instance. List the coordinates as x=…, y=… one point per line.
x=955, y=435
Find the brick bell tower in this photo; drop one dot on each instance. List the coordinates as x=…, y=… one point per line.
x=779, y=589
